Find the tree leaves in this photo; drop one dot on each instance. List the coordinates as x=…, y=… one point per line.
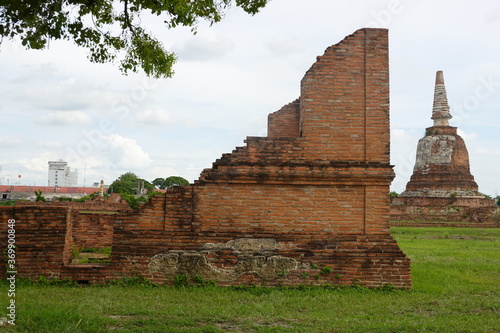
x=111, y=29
x=148, y=53
x=130, y=183
x=169, y=182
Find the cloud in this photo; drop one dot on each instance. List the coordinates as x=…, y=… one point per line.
x=488, y=152
x=64, y=118
x=156, y=117
x=125, y=153
x=403, y=151
x=37, y=164
x=50, y=144
x=205, y=45
x=467, y=136
x=159, y=171
x=283, y=47
x=10, y=141
x=45, y=86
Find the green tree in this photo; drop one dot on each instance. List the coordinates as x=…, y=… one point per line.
x=129, y=183
x=170, y=182
x=158, y=182
x=111, y=29
x=39, y=196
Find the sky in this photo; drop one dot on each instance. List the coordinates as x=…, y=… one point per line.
x=55, y=104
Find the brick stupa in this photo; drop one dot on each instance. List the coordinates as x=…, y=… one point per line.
x=441, y=175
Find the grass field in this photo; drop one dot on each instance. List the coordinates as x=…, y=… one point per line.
x=456, y=279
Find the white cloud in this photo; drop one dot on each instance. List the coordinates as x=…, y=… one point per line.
x=155, y=117
x=50, y=144
x=403, y=151
x=205, y=45
x=47, y=86
x=125, y=153
x=10, y=141
x=34, y=164
x=467, y=136
x=159, y=172
x=488, y=152
x=283, y=47
x=64, y=118
x=37, y=164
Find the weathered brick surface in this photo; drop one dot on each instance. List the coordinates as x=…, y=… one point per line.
x=316, y=187
x=40, y=239
x=285, y=122
x=474, y=210
x=314, y=193
x=447, y=169
x=48, y=232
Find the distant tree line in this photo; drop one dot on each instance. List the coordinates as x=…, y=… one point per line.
x=136, y=190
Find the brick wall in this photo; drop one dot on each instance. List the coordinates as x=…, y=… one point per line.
x=285, y=122
x=48, y=232
x=92, y=230
x=41, y=244
x=345, y=100
x=314, y=193
x=433, y=209
x=306, y=237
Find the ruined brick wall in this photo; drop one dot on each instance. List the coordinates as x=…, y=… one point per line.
x=92, y=224
x=285, y=122
x=114, y=203
x=313, y=193
x=253, y=247
x=309, y=204
x=92, y=230
x=345, y=100
x=40, y=239
x=433, y=209
x=47, y=234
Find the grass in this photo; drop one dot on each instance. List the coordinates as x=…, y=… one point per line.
x=91, y=255
x=456, y=281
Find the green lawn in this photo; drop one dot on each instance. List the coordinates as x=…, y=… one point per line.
x=456, y=279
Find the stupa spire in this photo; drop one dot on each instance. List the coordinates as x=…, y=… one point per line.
x=440, y=109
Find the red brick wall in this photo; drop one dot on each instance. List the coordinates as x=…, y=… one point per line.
x=91, y=221
x=285, y=122
x=47, y=232
x=280, y=208
x=345, y=100
x=321, y=197
x=113, y=203
x=307, y=234
x=432, y=209
x=92, y=230
x=40, y=240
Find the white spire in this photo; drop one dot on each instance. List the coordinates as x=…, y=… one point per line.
x=440, y=109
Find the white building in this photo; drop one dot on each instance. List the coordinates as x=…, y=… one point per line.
x=60, y=174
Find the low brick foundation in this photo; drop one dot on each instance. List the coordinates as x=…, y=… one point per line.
x=421, y=209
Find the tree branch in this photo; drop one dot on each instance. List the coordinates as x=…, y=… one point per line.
x=128, y=23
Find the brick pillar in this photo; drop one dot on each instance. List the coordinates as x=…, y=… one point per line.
x=345, y=99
